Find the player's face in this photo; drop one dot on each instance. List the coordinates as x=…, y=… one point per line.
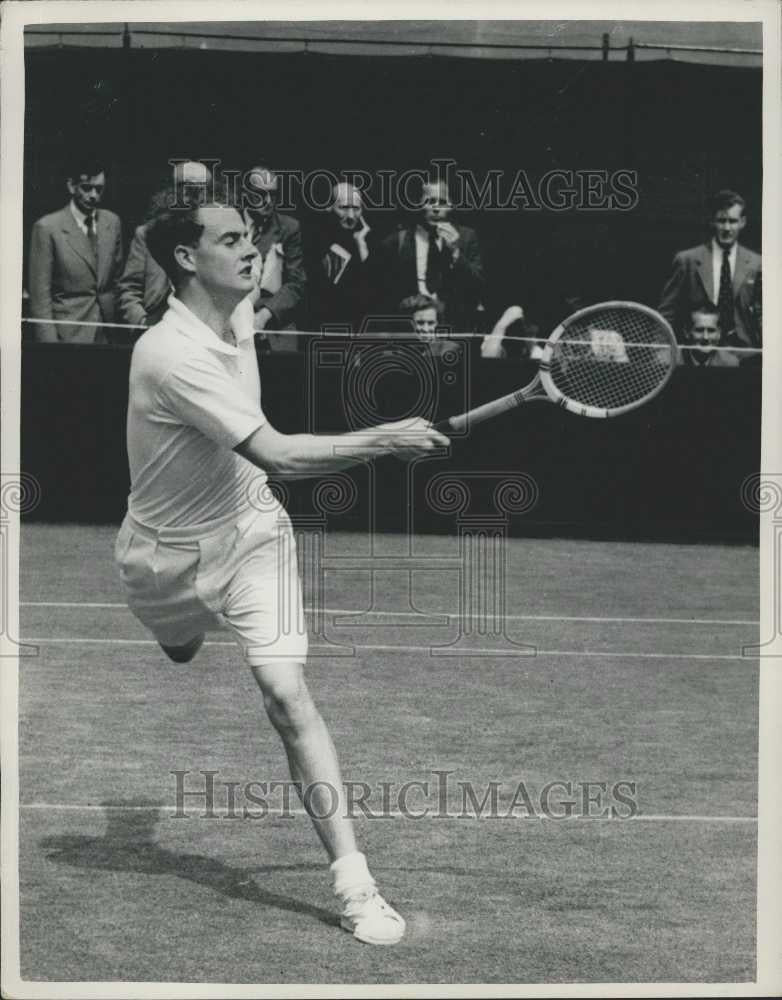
x=261, y=193
x=425, y=323
x=727, y=224
x=87, y=191
x=705, y=330
x=224, y=255
x=347, y=209
x=436, y=204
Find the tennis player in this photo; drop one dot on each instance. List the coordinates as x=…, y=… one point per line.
x=194, y=551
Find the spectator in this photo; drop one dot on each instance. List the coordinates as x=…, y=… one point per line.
x=435, y=257
x=706, y=339
x=424, y=313
x=75, y=261
x=144, y=287
x=280, y=271
x=719, y=273
x=346, y=270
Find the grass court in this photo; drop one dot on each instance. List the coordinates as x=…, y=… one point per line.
x=638, y=675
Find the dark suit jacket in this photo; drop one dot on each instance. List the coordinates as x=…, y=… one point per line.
x=144, y=288
x=344, y=292
x=284, y=304
x=691, y=286
x=463, y=282
x=65, y=280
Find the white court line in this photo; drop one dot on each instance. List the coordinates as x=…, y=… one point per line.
x=441, y=650
x=392, y=614
x=193, y=813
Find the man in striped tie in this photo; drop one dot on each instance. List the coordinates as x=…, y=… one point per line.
x=720, y=272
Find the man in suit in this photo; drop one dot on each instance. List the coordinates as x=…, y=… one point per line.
x=435, y=257
x=281, y=277
x=719, y=273
x=346, y=271
x=144, y=288
x=75, y=260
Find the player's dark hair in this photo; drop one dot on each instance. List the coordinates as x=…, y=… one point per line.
x=725, y=199
x=415, y=303
x=175, y=223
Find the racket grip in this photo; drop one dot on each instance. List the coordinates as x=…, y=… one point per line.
x=444, y=426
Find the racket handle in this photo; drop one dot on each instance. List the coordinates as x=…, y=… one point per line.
x=463, y=421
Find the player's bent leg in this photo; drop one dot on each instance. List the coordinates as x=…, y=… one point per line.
x=186, y=652
x=313, y=764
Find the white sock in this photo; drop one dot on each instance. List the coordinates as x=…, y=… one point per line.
x=351, y=875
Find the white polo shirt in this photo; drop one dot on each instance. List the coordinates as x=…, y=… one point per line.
x=192, y=399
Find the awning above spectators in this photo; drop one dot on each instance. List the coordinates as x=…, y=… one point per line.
x=715, y=43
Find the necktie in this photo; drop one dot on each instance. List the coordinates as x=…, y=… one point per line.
x=92, y=236
x=725, y=298
x=435, y=265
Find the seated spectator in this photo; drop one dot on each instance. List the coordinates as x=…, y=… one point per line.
x=721, y=273
x=418, y=369
x=704, y=342
x=346, y=271
x=75, y=261
x=280, y=271
x=433, y=256
x=424, y=314
x=144, y=287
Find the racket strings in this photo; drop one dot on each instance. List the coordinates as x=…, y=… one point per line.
x=611, y=357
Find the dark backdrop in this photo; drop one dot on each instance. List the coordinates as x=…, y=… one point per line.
x=675, y=469
x=686, y=129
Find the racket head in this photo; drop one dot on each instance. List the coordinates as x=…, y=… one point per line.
x=608, y=359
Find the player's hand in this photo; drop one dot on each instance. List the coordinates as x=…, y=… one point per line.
x=410, y=438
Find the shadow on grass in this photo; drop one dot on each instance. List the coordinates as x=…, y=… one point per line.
x=129, y=845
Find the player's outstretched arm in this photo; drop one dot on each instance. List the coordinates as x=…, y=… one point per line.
x=305, y=454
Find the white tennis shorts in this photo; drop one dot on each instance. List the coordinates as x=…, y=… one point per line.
x=242, y=576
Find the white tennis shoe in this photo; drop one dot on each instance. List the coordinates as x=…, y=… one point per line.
x=370, y=919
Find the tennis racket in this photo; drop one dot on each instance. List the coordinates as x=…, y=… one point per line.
x=602, y=361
